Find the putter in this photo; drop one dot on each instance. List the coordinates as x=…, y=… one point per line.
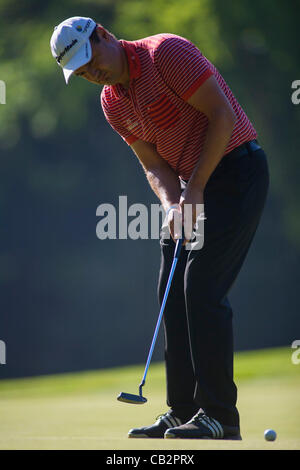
x=139, y=399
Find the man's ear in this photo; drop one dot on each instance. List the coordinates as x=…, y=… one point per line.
x=102, y=32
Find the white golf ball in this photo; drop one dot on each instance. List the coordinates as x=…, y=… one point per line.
x=270, y=435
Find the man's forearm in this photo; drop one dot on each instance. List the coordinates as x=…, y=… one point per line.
x=165, y=184
x=161, y=177
x=219, y=131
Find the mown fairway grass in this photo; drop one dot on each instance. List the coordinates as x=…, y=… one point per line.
x=80, y=411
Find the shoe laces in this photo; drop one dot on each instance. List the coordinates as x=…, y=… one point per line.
x=201, y=417
x=212, y=424
x=159, y=417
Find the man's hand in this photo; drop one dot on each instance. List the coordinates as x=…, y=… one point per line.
x=182, y=217
x=175, y=221
x=191, y=207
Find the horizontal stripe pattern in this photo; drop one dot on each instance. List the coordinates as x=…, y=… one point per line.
x=163, y=113
x=155, y=108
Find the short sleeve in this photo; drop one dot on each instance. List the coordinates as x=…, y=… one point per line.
x=112, y=115
x=182, y=66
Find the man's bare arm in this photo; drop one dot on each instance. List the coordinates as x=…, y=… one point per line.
x=210, y=100
x=162, y=179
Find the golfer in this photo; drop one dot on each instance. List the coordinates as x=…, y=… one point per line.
x=197, y=146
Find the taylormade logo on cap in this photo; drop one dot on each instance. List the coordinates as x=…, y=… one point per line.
x=60, y=56
x=70, y=44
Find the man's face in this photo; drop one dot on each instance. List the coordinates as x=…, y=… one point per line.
x=107, y=66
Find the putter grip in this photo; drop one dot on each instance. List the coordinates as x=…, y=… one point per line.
x=178, y=248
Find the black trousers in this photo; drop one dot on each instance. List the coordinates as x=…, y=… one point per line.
x=198, y=316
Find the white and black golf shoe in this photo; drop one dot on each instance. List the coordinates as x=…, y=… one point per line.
x=202, y=426
x=158, y=429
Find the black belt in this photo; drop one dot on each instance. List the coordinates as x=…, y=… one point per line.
x=241, y=150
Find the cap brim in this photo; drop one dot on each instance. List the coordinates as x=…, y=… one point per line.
x=82, y=57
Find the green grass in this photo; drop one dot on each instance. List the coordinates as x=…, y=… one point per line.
x=80, y=411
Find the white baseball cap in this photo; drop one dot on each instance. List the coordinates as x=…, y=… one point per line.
x=70, y=44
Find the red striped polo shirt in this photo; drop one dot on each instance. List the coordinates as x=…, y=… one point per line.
x=165, y=70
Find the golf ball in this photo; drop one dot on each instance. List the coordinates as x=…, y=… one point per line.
x=270, y=435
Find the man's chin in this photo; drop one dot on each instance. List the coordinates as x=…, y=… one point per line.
x=106, y=83
x=109, y=82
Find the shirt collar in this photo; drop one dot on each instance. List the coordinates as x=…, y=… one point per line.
x=133, y=59
x=134, y=64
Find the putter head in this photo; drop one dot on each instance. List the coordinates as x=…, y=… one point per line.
x=133, y=399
